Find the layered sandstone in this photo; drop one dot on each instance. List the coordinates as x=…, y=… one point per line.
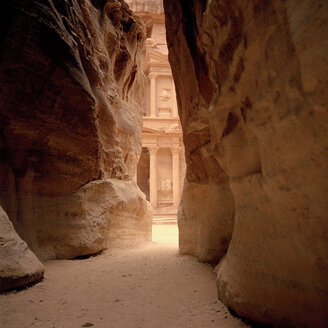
x=251, y=80
x=18, y=265
x=71, y=96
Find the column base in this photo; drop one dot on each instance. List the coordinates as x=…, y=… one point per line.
x=165, y=216
x=165, y=212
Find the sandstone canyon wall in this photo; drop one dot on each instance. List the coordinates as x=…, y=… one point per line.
x=251, y=80
x=207, y=208
x=70, y=109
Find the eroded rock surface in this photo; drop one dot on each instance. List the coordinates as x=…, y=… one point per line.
x=205, y=220
x=207, y=208
x=18, y=265
x=251, y=80
x=71, y=96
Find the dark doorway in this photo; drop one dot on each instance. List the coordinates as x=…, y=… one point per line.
x=143, y=172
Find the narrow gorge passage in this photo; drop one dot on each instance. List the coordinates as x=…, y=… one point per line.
x=149, y=286
x=119, y=114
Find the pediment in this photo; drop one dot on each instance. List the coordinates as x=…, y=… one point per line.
x=153, y=54
x=150, y=131
x=155, y=58
x=171, y=129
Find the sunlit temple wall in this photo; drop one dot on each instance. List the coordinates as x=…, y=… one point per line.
x=161, y=134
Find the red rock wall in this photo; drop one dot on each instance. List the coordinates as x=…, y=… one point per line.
x=251, y=79
x=70, y=108
x=205, y=222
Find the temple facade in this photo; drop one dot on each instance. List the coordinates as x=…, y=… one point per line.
x=161, y=168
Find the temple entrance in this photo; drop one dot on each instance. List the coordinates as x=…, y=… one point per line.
x=161, y=169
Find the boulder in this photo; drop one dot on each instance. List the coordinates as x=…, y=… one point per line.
x=18, y=265
x=205, y=220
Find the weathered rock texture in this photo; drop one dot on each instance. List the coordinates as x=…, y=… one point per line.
x=251, y=79
x=18, y=265
x=207, y=209
x=71, y=91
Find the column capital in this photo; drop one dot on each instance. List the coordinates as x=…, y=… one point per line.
x=152, y=150
x=175, y=151
x=152, y=76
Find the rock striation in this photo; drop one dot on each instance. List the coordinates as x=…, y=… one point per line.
x=71, y=96
x=18, y=265
x=251, y=80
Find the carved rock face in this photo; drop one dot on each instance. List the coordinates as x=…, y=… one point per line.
x=71, y=120
x=150, y=6
x=251, y=80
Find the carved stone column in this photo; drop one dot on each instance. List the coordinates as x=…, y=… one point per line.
x=175, y=176
x=152, y=95
x=153, y=177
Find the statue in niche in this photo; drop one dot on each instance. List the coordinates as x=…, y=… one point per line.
x=165, y=192
x=166, y=185
x=165, y=95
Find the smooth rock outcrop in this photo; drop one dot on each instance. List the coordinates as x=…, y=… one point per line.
x=205, y=220
x=18, y=265
x=71, y=117
x=251, y=80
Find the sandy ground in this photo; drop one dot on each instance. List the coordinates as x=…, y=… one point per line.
x=149, y=286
